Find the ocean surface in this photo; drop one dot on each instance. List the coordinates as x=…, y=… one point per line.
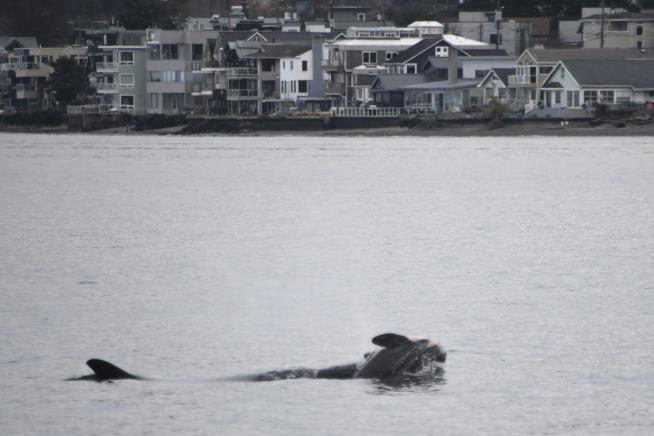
x=198, y=261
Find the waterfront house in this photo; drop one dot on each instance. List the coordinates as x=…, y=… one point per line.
x=585, y=83
x=27, y=70
x=534, y=64
x=495, y=85
x=120, y=79
x=351, y=63
x=172, y=58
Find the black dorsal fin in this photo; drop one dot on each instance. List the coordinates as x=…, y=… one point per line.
x=108, y=371
x=391, y=340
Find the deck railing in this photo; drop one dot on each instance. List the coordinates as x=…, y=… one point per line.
x=366, y=112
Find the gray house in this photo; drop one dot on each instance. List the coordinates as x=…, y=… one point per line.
x=120, y=78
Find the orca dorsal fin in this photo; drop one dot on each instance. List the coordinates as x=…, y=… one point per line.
x=108, y=371
x=391, y=340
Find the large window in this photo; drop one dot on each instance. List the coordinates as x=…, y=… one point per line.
x=169, y=51
x=573, y=98
x=127, y=57
x=370, y=58
x=127, y=100
x=618, y=26
x=155, y=52
x=127, y=80
x=590, y=97
x=607, y=97
x=302, y=86
x=196, y=52
x=390, y=55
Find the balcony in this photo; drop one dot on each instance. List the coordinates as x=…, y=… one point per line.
x=27, y=69
x=107, y=88
x=106, y=67
x=333, y=64
x=517, y=81
x=236, y=94
x=335, y=88
x=242, y=72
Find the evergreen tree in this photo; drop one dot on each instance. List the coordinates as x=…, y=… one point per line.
x=68, y=81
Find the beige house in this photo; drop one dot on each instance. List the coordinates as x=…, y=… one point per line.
x=621, y=30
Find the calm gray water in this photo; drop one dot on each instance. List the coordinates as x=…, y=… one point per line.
x=196, y=261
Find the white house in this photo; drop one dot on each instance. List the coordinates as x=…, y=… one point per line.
x=575, y=83
x=295, y=75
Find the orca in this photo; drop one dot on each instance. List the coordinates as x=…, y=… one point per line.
x=105, y=371
x=399, y=356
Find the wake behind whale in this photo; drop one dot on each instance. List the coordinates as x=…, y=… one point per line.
x=399, y=356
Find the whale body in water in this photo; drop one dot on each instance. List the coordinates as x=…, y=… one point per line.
x=398, y=356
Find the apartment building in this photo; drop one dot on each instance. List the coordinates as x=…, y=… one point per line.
x=490, y=27
x=171, y=58
x=120, y=79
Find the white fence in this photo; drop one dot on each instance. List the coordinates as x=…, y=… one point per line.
x=366, y=112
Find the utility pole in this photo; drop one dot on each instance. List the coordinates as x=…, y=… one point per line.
x=602, y=27
x=498, y=12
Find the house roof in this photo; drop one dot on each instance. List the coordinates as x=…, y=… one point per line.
x=18, y=41
x=503, y=74
x=425, y=24
x=621, y=16
x=468, y=46
x=389, y=82
x=588, y=54
x=638, y=74
x=444, y=84
x=276, y=51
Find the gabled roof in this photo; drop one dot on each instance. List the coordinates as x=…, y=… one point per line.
x=11, y=42
x=464, y=45
x=415, y=50
x=390, y=82
x=501, y=73
x=638, y=74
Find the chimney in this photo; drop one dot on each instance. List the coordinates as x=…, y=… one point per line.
x=452, y=65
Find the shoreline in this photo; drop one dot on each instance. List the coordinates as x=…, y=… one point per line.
x=509, y=130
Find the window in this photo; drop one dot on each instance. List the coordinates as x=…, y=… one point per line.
x=126, y=58
x=172, y=76
x=590, y=97
x=562, y=73
x=639, y=30
x=361, y=17
x=411, y=69
x=155, y=76
x=573, y=98
x=618, y=26
x=305, y=65
x=390, y=55
x=490, y=16
x=155, y=52
x=127, y=80
x=127, y=100
x=369, y=57
x=302, y=86
x=291, y=65
x=557, y=97
x=480, y=74
x=607, y=97
x=196, y=52
x=495, y=38
x=283, y=65
x=169, y=52
x=441, y=52
x=639, y=44
x=153, y=101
